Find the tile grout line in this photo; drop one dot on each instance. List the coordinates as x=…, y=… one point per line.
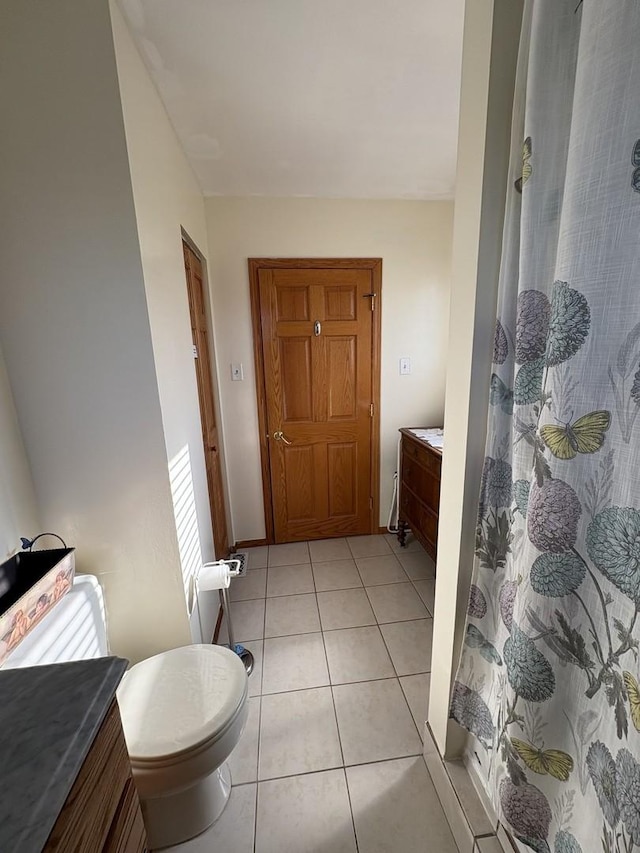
x=255, y=817
x=396, y=671
x=353, y=820
x=387, y=649
x=329, y=630
x=412, y=581
x=333, y=701
x=346, y=683
x=344, y=770
x=399, y=677
x=335, y=715
x=264, y=623
x=420, y=736
x=255, y=814
x=428, y=609
x=344, y=767
x=391, y=621
x=371, y=606
x=373, y=624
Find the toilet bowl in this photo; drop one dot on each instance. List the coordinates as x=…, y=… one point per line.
x=183, y=712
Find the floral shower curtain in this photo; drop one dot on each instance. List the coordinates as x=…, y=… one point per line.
x=548, y=677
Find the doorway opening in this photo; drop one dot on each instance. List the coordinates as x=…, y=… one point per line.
x=194, y=272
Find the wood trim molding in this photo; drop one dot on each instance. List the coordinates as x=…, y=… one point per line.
x=254, y=284
x=316, y=263
x=376, y=343
x=373, y=264
x=250, y=543
x=215, y=382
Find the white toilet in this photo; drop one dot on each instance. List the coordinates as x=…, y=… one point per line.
x=183, y=712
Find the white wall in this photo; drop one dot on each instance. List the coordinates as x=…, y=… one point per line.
x=18, y=512
x=167, y=197
x=491, y=36
x=73, y=317
x=414, y=240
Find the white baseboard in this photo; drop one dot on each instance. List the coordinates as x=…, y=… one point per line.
x=472, y=819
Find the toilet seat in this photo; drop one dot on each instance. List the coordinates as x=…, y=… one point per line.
x=179, y=703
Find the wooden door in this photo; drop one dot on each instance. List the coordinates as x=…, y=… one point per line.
x=318, y=345
x=202, y=361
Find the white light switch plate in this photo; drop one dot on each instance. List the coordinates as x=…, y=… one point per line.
x=405, y=366
x=237, y=373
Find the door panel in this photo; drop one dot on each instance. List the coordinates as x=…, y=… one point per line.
x=342, y=371
x=342, y=461
x=200, y=337
x=293, y=304
x=340, y=303
x=317, y=341
x=297, y=378
x=299, y=470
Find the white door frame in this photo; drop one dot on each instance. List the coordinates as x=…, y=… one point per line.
x=490, y=48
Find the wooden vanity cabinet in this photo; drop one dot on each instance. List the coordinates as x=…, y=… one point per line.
x=419, y=483
x=102, y=812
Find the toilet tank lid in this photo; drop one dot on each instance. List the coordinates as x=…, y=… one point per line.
x=179, y=699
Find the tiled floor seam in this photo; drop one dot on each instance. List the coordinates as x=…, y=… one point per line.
x=353, y=820
x=303, y=773
x=333, y=701
x=342, y=683
x=404, y=695
x=334, y=767
x=389, y=653
x=255, y=819
x=385, y=583
x=391, y=621
x=335, y=716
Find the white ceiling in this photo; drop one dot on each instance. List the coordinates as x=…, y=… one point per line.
x=326, y=98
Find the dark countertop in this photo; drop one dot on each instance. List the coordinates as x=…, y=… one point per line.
x=49, y=717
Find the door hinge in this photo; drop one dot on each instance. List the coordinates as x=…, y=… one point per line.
x=372, y=297
x=195, y=351
x=371, y=409
x=370, y=503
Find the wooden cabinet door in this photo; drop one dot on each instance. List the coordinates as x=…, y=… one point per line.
x=317, y=347
x=102, y=811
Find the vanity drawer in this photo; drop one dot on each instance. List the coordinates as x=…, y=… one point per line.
x=421, y=481
x=420, y=517
x=421, y=454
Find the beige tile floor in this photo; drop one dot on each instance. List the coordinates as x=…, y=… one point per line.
x=331, y=758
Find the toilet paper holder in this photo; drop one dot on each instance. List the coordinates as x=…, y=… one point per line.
x=217, y=575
